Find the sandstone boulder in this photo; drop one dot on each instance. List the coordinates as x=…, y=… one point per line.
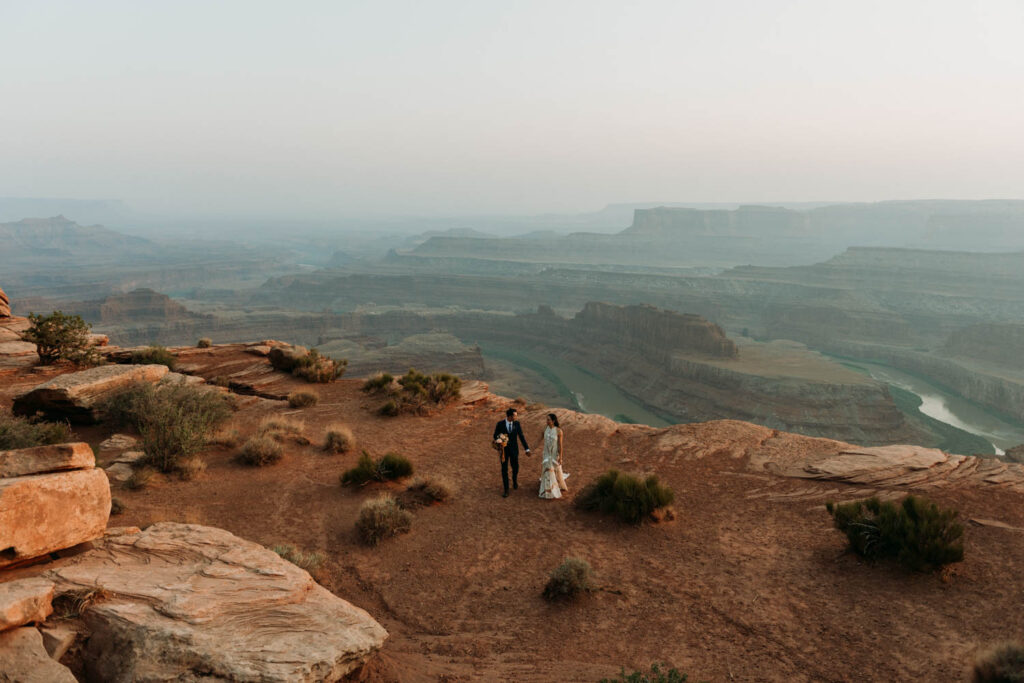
x=24, y=659
x=46, y=512
x=287, y=357
x=43, y=459
x=77, y=395
x=5, y=305
x=182, y=599
x=25, y=601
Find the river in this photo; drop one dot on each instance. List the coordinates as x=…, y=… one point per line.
x=949, y=408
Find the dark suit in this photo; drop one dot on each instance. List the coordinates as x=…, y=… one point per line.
x=511, y=450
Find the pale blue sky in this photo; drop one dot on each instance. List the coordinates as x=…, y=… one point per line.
x=318, y=109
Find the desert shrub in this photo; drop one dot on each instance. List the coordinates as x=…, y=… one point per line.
x=61, y=337
x=19, y=432
x=568, y=580
x=382, y=518
x=229, y=438
x=117, y=506
x=190, y=467
x=310, y=561
x=303, y=399
x=315, y=367
x=1003, y=663
x=259, y=451
x=154, y=355
x=338, y=439
x=391, y=466
x=281, y=425
x=655, y=675
x=917, y=533
x=378, y=382
x=204, y=343
x=414, y=391
x=626, y=496
x=141, y=478
x=175, y=421
x=426, y=491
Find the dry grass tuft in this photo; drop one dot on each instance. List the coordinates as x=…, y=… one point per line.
x=73, y=603
x=310, y=561
x=260, y=451
x=303, y=399
x=569, y=579
x=382, y=518
x=424, y=491
x=338, y=439
x=1000, y=663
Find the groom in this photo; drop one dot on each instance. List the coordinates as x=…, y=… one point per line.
x=511, y=427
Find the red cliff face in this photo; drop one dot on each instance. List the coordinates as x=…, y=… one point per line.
x=5, y=304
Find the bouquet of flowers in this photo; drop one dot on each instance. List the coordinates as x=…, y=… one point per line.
x=499, y=445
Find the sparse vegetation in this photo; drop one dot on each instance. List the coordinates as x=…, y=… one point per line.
x=204, y=343
x=568, y=580
x=311, y=365
x=382, y=518
x=61, y=337
x=19, y=432
x=626, y=496
x=141, y=478
x=154, y=355
x=310, y=561
x=414, y=392
x=423, y=491
x=191, y=467
x=229, y=438
x=338, y=439
x=391, y=466
x=378, y=382
x=117, y=506
x=71, y=604
x=1003, y=663
x=917, y=533
x=655, y=675
x=259, y=451
x=175, y=421
x=303, y=399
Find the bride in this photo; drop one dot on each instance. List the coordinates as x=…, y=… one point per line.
x=552, y=480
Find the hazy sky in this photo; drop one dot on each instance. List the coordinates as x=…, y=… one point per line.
x=331, y=108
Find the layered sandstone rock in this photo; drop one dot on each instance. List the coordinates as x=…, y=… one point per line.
x=183, y=599
x=5, y=304
x=25, y=601
x=76, y=396
x=24, y=659
x=44, y=459
x=43, y=513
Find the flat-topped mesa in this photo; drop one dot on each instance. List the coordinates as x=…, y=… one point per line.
x=656, y=332
x=764, y=221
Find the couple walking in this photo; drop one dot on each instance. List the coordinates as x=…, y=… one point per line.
x=552, y=479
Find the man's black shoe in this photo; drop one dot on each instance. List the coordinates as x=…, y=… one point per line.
x=505, y=495
x=515, y=484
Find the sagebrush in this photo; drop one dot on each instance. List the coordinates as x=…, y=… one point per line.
x=154, y=355
x=303, y=399
x=391, y=466
x=382, y=518
x=20, y=432
x=1002, y=663
x=259, y=451
x=311, y=561
x=915, y=532
x=414, y=392
x=655, y=675
x=626, y=496
x=569, y=580
x=338, y=439
x=175, y=421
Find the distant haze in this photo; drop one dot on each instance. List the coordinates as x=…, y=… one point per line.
x=318, y=109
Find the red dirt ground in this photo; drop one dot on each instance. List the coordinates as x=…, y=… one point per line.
x=750, y=582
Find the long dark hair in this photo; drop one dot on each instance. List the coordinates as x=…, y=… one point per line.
x=554, y=419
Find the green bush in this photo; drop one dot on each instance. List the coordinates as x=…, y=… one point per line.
x=175, y=421
x=1003, y=663
x=19, y=432
x=259, y=451
x=338, y=439
x=154, y=355
x=378, y=383
x=656, y=675
x=625, y=496
x=916, y=532
x=303, y=399
x=315, y=367
x=568, y=580
x=382, y=518
x=204, y=343
x=415, y=391
x=391, y=466
x=61, y=337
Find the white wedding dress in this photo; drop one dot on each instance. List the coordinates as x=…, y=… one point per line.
x=552, y=481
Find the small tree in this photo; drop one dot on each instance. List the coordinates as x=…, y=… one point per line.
x=59, y=336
